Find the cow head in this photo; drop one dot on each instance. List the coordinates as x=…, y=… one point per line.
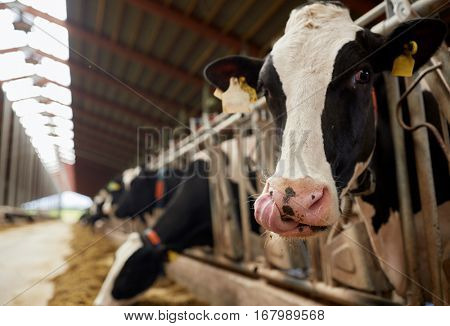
x=139, y=195
x=115, y=189
x=136, y=266
x=317, y=81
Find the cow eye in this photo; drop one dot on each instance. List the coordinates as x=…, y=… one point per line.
x=362, y=76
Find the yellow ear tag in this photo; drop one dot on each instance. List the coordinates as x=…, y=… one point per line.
x=171, y=255
x=404, y=64
x=238, y=96
x=113, y=186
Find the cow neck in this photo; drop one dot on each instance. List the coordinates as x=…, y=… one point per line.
x=367, y=182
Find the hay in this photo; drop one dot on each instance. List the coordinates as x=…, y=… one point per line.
x=84, y=276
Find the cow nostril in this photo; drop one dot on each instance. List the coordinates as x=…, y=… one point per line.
x=287, y=219
x=316, y=198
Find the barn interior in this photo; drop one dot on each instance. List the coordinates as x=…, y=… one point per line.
x=91, y=88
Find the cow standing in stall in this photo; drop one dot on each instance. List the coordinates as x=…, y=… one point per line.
x=105, y=202
x=186, y=222
x=147, y=189
x=321, y=82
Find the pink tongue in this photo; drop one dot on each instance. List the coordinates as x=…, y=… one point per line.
x=268, y=215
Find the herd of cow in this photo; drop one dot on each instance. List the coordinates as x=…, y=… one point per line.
x=323, y=85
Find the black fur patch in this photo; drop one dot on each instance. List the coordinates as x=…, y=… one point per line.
x=348, y=124
x=139, y=272
x=270, y=83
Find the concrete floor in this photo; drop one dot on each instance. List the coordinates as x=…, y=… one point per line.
x=27, y=255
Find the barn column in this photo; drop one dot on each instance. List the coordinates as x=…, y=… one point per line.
x=4, y=148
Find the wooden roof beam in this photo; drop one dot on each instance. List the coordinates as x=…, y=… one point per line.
x=140, y=118
x=168, y=105
x=104, y=147
x=106, y=137
x=121, y=127
x=196, y=25
x=97, y=158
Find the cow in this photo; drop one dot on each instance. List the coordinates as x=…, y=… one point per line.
x=147, y=189
x=323, y=86
x=186, y=222
x=318, y=81
x=104, y=202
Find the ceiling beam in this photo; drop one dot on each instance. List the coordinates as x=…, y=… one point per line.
x=196, y=25
x=94, y=157
x=268, y=13
x=105, y=128
x=139, y=117
x=106, y=152
x=129, y=54
x=118, y=19
x=170, y=106
x=106, y=138
x=104, y=125
x=102, y=146
x=99, y=15
x=119, y=126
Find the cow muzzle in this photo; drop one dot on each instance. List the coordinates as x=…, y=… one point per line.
x=295, y=207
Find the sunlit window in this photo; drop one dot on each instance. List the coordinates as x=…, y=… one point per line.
x=36, y=83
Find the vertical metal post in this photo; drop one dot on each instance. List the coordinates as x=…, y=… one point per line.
x=21, y=162
x=12, y=181
x=4, y=148
x=427, y=192
x=243, y=202
x=413, y=296
x=30, y=165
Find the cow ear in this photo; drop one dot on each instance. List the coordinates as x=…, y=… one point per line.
x=426, y=32
x=219, y=72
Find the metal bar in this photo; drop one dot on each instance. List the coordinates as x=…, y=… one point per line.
x=12, y=184
x=421, y=7
x=371, y=15
x=207, y=134
x=325, y=292
x=243, y=202
x=404, y=197
x=426, y=189
x=21, y=159
x=4, y=147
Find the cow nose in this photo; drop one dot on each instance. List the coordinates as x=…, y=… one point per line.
x=289, y=204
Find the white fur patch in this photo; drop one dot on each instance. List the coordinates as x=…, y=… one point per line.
x=129, y=175
x=304, y=58
x=107, y=206
x=129, y=247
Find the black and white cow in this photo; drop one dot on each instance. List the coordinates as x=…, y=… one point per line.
x=318, y=81
x=146, y=189
x=105, y=201
x=186, y=222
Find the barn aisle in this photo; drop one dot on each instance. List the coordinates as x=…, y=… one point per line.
x=28, y=254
